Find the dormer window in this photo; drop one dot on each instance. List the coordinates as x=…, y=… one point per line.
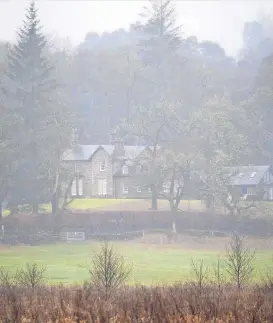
x=253, y=174
x=125, y=170
x=102, y=166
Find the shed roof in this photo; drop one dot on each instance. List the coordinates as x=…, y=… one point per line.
x=246, y=175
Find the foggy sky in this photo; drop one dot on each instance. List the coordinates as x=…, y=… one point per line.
x=220, y=21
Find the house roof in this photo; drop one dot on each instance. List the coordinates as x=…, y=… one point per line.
x=131, y=152
x=108, y=148
x=80, y=152
x=246, y=175
x=85, y=152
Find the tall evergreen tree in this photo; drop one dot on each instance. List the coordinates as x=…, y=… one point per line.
x=159, y=41
x=160, y=33
x=29, y=90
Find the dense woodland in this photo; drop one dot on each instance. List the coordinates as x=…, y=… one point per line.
x=151, y=84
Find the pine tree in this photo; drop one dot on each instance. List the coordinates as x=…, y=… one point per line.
x=29, y=91
x=159, y=42
x=160, y=34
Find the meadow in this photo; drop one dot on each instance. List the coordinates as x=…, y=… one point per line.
x=151, y=263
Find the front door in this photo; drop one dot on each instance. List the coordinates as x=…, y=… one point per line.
x=102, y=187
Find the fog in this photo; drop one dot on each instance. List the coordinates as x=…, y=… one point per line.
x=135, y=148
x=218, y=21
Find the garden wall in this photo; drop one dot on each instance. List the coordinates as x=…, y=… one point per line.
x=111, y=223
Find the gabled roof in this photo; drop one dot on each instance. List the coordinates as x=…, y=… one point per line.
x=108, y=148
x=246, y=175
x=131, y=152
x=85, y=152
x=80, y=152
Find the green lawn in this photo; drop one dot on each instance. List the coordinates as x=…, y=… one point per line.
x=66, y=263
x=106, y=204
x=89, y=204
x=120, y=204
x=83, y=204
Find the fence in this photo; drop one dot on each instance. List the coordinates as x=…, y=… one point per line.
x=78, y=236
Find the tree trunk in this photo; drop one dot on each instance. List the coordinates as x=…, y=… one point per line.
x=154, y=199
x=55, y=196
x=174, y=226
x=54, y=204
x=35, y=207
x=173, y=213
x=174, y=203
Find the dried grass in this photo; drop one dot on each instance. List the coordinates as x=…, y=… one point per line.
x=180, y=303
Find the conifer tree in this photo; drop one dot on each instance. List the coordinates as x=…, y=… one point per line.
x=160, y=33
x=29, y=89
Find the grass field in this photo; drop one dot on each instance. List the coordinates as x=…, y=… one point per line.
x=125, y=205
x=66, y=263
x=108, y=204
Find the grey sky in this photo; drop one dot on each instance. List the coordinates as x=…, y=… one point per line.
x=220, y=21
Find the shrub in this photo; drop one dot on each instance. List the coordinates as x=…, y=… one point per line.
x=239, y=261
x=108, y=271
x=33, y=275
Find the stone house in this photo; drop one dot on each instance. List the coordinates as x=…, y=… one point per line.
x=106, y=170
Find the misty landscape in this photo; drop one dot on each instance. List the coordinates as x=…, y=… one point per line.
x=136, y=172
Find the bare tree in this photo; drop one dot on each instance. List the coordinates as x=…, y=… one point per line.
x=200, y=272
x=6, y=279
x=33, y=275
x=239, y=261
x=219, y=191
x=8, y=282
x=149, y=125
x=218, y=273
x=108, y=271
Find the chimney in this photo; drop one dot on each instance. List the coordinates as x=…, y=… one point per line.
x=118, y=145
x=74, y=137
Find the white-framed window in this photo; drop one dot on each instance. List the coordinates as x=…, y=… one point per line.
x=77, y=168
x=139, y=189
x=165, y=188
x=150, y=190
x=77, y=187
x=125, y=170
x=125, y=188
x=74, y=188
x=102, y=166
x=80, y=186
x=134, y=153
x=251, y=191
x=102, y=186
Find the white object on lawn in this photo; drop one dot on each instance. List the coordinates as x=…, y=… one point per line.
x=75, y=236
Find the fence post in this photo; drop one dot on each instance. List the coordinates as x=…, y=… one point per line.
x=143, y=235
x=2, y=231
